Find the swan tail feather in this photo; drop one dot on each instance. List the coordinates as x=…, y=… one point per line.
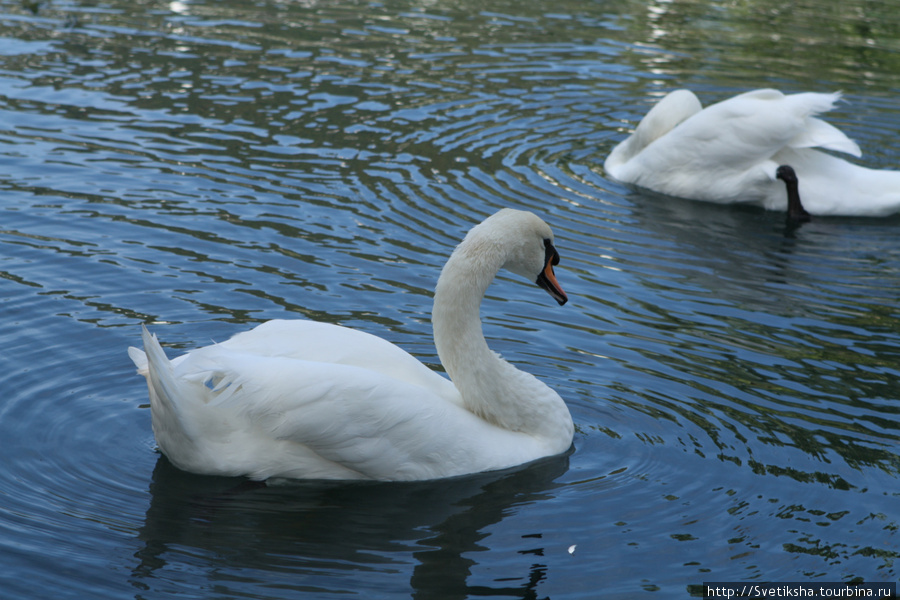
x=139, y=358
x=159, y=369
x=167, y=398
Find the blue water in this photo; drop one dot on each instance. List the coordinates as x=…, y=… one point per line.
x=204, y=166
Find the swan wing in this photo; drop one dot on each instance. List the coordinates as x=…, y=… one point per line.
x=258, y=406
x=818, y=134
x=326, y=343
x=282, y=417
x=668, y=113
x=753, y=126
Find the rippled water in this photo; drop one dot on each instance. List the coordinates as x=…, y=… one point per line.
x=204, y=166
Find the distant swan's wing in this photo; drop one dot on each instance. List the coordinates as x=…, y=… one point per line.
x=754, y=126
x=671, y=111
x=816, y=133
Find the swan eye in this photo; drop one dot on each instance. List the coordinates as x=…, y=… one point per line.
x=550, y=252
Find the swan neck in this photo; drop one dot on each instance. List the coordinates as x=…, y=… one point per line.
x=490, y=387
x=456, y=318
x=796, y=212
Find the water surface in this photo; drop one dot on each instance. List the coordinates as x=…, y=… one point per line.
x=205, y=166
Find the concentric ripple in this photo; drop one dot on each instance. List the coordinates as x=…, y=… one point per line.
x=202, y=167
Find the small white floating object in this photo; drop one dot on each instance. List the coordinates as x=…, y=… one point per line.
x=572, y=549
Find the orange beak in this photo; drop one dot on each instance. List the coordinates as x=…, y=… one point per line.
x=547, y=278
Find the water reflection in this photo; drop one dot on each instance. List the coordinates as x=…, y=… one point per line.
x=734, y=349
x=216, y=164
x=303, y=535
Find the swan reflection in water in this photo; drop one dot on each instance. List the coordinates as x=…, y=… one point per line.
x=321, y=537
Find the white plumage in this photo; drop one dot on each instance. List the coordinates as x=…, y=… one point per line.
x=729, y=152
x=302, y=399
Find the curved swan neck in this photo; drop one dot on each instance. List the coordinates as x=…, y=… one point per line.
x=456, y=318
x=490, y=387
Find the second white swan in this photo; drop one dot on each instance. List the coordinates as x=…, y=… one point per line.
x=729, y=153
x=302, y=399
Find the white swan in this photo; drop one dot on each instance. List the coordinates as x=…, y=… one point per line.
x=301, y=399
x=729, y=152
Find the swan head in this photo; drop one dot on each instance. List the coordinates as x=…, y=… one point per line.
x=795, y=212
x=522, y=243
x=787, y=174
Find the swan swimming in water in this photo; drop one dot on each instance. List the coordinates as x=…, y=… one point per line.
x=729, y=152
x=297, y=399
